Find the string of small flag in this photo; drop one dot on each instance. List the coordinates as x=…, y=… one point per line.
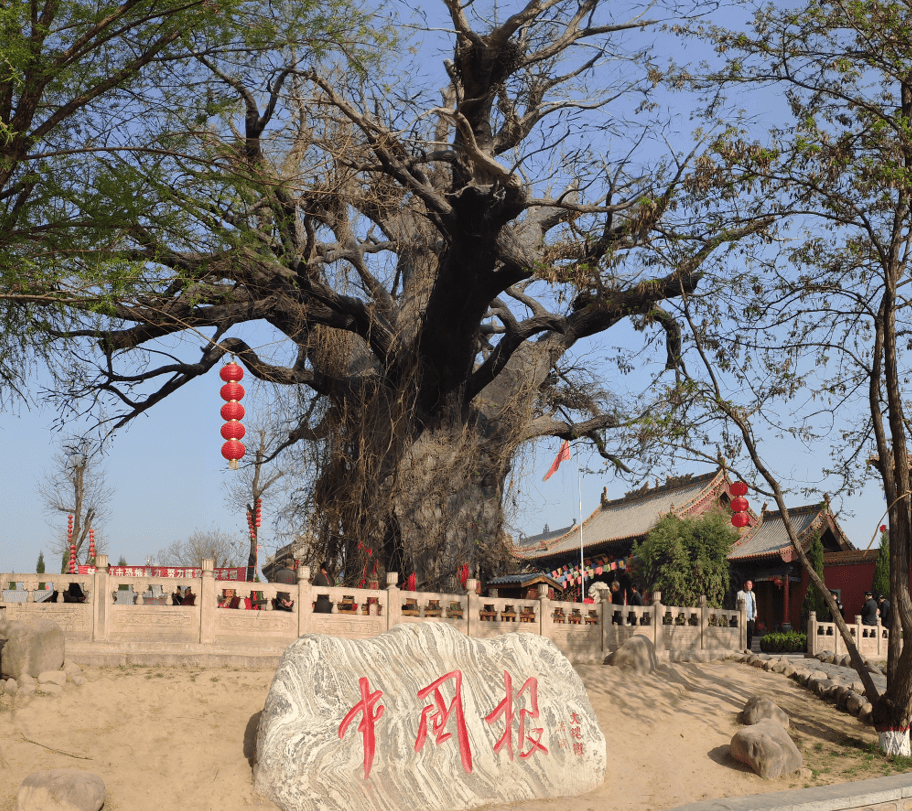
x=569, y=575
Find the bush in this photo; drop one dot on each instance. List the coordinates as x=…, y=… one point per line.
x=790, y=642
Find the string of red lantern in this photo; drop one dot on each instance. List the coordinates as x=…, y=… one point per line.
x=739, y=505
x=92, y=545
x=232, y=412
x=72, y=545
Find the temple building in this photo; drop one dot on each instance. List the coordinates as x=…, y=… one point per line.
x=602, y=544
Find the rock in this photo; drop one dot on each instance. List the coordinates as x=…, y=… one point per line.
x=789, y=671
x=854, y=703
x=756, y=661
x=72, y=669
x=10, y=686
x=758, y=708
x=30, y=647
x=805, y=773
x=27, y=689
x=424, y=717
x=840, y=695
x=829, y=659
x=48, y=688
x=637, y=655
x=823, y=655
x=53, y=677
x=845, y=660
x=62, y=790
x=818, y=675
x=767, y=748
x=769, y=664
x=79, y=680
x=866, y=713
x=779, y=666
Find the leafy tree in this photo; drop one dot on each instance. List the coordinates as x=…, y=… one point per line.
x=881, y=580
x=813, y=341
x=223, y=548
x=687, y=558
x=39, y=568
x=813, y=599
x=426, y=267
x=76, y=485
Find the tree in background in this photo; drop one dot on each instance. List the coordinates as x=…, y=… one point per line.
x=881, y=580
x=687, y=558
x=76, y=485
x=813, y=599
x=223, y=548
x=39, y=568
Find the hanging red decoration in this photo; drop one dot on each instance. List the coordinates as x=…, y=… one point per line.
x=739, y=505
x=232, y=412
x=72, y=558
x=259, y=511
x=463, y=575
x=740, y=520
x=883, y=527
x=92, y=545
x=738, y=489
x=410, y=583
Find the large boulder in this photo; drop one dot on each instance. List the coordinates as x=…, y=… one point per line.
x=425, y=717
x=61, y=790
x=767, y=748
x=637, y=655
x=30, y=648
x=758, y=708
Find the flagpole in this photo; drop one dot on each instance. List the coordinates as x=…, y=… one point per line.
x=579, y=488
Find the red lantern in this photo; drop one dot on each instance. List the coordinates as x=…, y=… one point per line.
x=739, y=489
x=72, y=558
x=233, y=430
x=231, y=372
x=92, y=544
x=740, y=520
x=739, y=505
x=232, y=412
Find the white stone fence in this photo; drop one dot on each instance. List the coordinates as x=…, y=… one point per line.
x=584, y=632
x=871, y=640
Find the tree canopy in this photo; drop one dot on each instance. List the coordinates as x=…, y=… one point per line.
x=687, y=558
x=424, y=261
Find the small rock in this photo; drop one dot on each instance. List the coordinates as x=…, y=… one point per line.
x=845, y=660
x=866, y=713
x=759, y=708
x=840, y=694
x=805, y=773
x=779, y=666
x=769, y=664
x=818, y=675
x=854, y=703
x=829, y=659
x=27, y=689
x=26, y=679
x=767, y=748
x=72, y=669
x=78, y=679
x=53, y=677
x=61, y=790
x=10, y=686
x=50, y=689
x=789, y=671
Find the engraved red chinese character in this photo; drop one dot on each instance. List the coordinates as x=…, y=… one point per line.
x=366, y=707
x=577, y=749
x=439, y=713
x=505, y=709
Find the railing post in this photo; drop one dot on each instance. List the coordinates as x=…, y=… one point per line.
x=545, y=612
x=704, y=621
x=101, y=599
x=393, y=600
x=658, y=617
x=472, y=607
x=812, y=633
x=208, y=602
x=605, y=615
x=304, y=600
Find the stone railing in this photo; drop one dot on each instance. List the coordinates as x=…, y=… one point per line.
x=871, y=640
x=584, y=632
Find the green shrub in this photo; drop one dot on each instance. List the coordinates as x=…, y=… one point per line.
x=777, y=642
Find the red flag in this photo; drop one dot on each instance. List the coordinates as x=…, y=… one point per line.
x=562, y=456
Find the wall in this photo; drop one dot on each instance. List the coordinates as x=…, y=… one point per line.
x=583, y=632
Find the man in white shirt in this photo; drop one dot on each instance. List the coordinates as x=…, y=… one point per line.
x=750, y=605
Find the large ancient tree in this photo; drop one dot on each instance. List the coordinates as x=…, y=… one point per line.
x=428, y=258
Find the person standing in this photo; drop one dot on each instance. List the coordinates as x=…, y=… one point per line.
x=869, y=610
x=323, y=580
x=883, y=605
x=750, y=607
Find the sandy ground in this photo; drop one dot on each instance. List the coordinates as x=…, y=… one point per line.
x=168, y=738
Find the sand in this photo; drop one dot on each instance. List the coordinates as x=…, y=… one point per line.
x=183, y=737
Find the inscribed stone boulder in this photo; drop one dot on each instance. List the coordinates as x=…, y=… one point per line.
x=759, y=707
x=61, y=790
x=30, y=648
x=425, y=717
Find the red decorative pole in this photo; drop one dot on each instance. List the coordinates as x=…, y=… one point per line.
x=232, y=412
x=72, y=545
x=92, y=545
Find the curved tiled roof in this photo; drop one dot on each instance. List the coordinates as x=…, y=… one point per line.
x=543, y=537
x=632, y=516
x=770, y=538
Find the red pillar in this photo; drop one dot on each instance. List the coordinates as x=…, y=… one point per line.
x=785, y=593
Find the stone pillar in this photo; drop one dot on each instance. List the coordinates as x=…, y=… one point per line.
x=658, y=617
x=208, y=603
x=304, y=600
x=742, y=625
x=393, y=600
x=704, y=622
x=101, y=600
x=812, y=633
x=609, y=632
